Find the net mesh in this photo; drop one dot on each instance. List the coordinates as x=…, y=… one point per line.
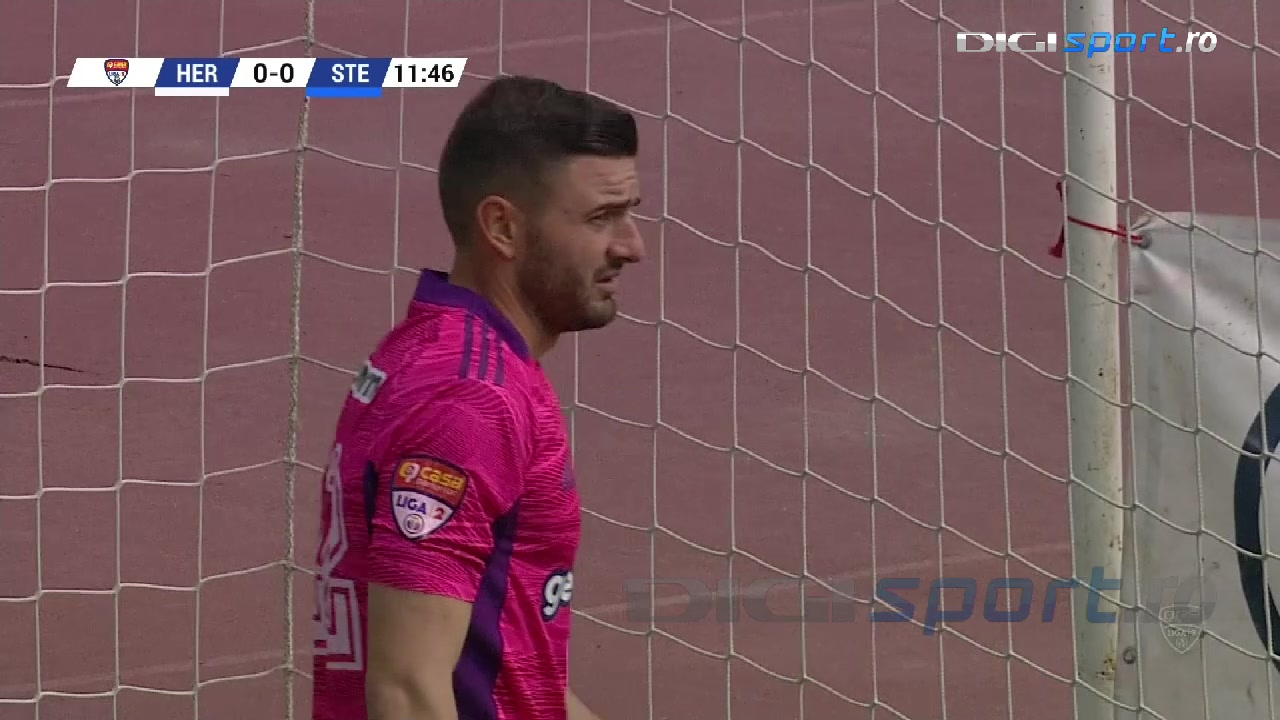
x=844, y=361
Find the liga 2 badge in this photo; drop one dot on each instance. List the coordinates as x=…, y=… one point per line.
x=117, y=70
x=425, y=493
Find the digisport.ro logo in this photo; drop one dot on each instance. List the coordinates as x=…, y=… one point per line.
x=1088, y=43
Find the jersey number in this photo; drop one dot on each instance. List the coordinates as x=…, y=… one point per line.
x=338, y=644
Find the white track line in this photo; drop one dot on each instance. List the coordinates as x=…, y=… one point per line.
x=728, y=24
x=601, y=612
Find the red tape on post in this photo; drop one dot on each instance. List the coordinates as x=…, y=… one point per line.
x=1119, y=231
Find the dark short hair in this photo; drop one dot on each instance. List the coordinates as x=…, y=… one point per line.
x=512, y=132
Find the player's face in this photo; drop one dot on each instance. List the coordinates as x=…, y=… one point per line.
x=574, y=256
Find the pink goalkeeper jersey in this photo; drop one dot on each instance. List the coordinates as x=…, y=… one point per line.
x=451, y=475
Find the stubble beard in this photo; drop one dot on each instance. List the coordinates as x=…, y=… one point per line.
x=562, y=300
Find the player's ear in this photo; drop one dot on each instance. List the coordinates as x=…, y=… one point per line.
x=499, y=224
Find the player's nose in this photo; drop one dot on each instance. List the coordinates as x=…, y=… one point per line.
x=629, y=246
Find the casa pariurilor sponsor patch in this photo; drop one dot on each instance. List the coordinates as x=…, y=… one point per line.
x=425, y=494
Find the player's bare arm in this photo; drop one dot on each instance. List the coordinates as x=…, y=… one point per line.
x=407, y=676
x=577, y=709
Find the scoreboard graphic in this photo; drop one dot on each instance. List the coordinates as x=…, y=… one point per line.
x=320, y=77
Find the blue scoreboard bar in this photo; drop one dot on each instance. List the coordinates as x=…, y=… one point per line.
x=347, y=77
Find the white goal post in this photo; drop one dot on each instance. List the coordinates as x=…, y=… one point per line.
x=1093, y=331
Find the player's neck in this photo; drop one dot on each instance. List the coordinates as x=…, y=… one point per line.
x=504, y=296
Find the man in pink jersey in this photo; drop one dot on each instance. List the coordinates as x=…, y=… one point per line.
x=451, y=516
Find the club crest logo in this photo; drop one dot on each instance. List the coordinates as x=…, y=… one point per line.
x=117, y=70
x=1180, y=625
x=367, y=383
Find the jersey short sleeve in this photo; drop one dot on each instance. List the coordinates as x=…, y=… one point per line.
x=440, y=483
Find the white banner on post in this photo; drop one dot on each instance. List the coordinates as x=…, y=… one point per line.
x=1207, y=404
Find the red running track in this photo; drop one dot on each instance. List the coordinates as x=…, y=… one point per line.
x=735, y=214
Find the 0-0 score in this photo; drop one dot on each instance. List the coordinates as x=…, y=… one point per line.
x=285, y=74
x=273, y=72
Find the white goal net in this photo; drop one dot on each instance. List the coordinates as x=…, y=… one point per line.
x=841, y=376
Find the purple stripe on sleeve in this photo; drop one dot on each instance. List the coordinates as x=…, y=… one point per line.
x=476, y=674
